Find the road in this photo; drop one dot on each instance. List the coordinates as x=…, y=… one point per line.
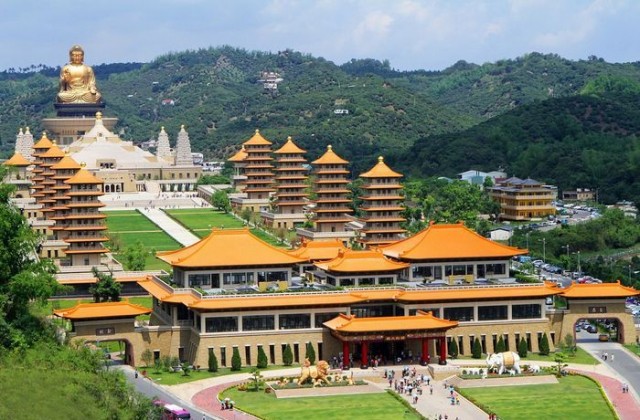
x=626, y=366
x=150, y=389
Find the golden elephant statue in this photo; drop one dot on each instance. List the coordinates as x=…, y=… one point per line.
x=317, y=373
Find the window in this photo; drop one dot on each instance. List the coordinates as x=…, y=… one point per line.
x=247, y=355
x=434, y=311
x=322, y=318
x=533, y=310
x=490, y=313
x=294, y=321
x=320, y=351
x=296, y=353
x=372, y=311
x=272, y=354
x=272, y=276
x=223, y=356
x=221, y=324
x=258, y=322
x=197, y=280
x=459, y=314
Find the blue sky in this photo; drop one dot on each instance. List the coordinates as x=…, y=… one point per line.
x=411, y=34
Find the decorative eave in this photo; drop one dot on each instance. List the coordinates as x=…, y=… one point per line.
x=599, y=291
x=257, y=140
x=381, y=170
x=350, y=261
x=103, y=310
x=330, y=158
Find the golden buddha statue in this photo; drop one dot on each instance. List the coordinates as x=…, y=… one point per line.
x=77, y=80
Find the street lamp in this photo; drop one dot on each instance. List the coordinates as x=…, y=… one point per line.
x=544, y=249
x=579, y=267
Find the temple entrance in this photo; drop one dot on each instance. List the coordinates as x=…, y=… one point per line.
x=387, y=351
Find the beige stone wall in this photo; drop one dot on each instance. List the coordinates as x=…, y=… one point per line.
x=614, y=309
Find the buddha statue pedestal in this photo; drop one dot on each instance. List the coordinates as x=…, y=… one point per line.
x=79, y=109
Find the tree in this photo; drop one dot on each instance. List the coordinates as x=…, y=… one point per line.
x=561, y=360
x=522, y=348
x=236, y=362
x=147, y=357
x=106, y=287
x=544, y=345
x=262, y=358
x=256, y=379
x=500, y=346
x=135, y=257
x=213, y=361
x=569, y=345
x=310, y=353
x=287, y=356
x=476, y=351
x=453, y=349
x=220, y=200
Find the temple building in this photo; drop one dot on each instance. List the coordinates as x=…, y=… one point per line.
x=258, y=170
x=382, y=205
x=18, y=175
x=238, y=178
x=332, y=204
x=287, y=207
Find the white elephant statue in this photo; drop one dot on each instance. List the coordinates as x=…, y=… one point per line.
x=506, y=360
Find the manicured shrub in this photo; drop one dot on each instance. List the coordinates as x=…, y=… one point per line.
x=522, y=348
x=544, y=345
x=311, y=353
x=262, y=358
x=287, y=356
x=236, y=362
x=500, y=346
x=453, y=349
x=476, y=351
x=213, y=361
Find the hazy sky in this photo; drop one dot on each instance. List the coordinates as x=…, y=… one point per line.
x=411, y=34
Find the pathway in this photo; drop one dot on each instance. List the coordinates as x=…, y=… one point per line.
x=170, y=226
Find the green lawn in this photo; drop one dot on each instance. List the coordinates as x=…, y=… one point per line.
x=129, y=221
x=175, y=378
x=574, y=397
x=201, y=221
x=361, y=406
x=580, y=356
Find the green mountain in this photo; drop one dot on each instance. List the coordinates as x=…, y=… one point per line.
x=217, y=94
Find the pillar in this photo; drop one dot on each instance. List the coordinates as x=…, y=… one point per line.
x=364, y=356
x=424, y=358
x=443, y=351
x=346, y=363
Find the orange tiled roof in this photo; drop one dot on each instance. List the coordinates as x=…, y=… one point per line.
x=381, y=170
x=447, y=242
x=318, y=250
x=257, y=139
x=290, y=147
x=230, y=247
x=275, y=301
x=66, y=162
x=102, y=310
x=329, y=158
x=53, y=152
x=17, y=160
x=84, y=177
x=599, y=291
x=474, y=293
x=360, y=261
x=421, y=321
x=43, y=143
x=239, y=156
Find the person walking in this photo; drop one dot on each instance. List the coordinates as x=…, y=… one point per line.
x=612, y=357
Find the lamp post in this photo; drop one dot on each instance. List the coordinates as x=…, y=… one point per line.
x=579, y=267
x=544, y=249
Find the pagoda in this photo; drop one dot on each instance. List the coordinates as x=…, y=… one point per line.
x=290, y=197
x=18, y=175
x=258, y=186
x=64, y=170
x=331, y=207
x=238, y=178
x=84, y=224
x=382, y=205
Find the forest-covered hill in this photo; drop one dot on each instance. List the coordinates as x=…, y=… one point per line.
x=218, y=97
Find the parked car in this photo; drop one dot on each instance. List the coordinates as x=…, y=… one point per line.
x=592, y=329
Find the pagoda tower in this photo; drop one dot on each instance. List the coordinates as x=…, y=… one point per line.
x=382, y=205
x=49, y=158
x=289, y=200
x=332, y=203
x=183, y=149
x=19, y=177
x=238, y=169
x=37, y=178
x=84, y=224
x=259, y=172
x=64, y=170
x=163, y=149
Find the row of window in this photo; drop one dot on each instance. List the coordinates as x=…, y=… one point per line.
x=436, y=271
x=487, y=313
